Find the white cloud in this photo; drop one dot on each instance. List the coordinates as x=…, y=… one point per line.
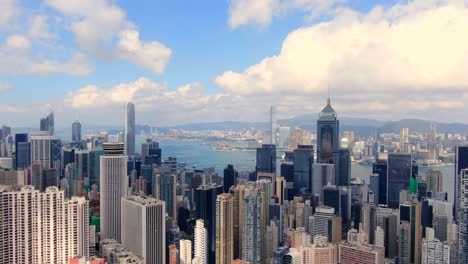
x=262, y=12
x=102, y=29
x=404, y=60
x=6, y=87
x=8, y=10
x=39, y=28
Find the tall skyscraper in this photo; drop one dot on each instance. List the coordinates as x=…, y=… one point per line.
x=434, y=180
x=165, y=189
x=462, y=217
x=284, y=137
x=46, y=149
x=410, y=213
x=185, y=252
x=273, y=125
x=404, y=140
x=239, y=194
x=230, y=177
x=252, y=229
x=22, y=151
x=340, y=199
x=47, y=123
x=6, y=131
x=344, y=173
x=200, y=243
x=205, y=200
x=303, y=160
x=322, y=174
x=398, y=177
x=461, y=162
x=266, y=159
x=224, y=229
x=143, y=229
x=76, y=131
x=77, y=241
x=130, y=129
x=328, y=137
x=379, y=167
x=432, y=142
x=114, y=185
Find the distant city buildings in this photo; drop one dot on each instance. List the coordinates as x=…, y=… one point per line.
x=130, y=129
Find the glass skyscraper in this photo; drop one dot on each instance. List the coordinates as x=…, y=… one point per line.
x=130, y=129
x=266, y=159
x=303, y=160
x=328, y=137
x=76, y=131
x=399, y=171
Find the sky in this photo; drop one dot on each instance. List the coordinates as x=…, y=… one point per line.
x=185, y=61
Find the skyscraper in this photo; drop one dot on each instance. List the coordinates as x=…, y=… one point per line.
x=434, y=180
x=46, y=149
x=239, y=193
x=398, y=177
x=461, y=162
x=230, y=177
x=266, y=159
x=185, y=252
x=433, y=250
x=462, y=217
x=77, y=227
x=22, y=151
x=47, y=123
x=328, y=137
x=200, y=243
x=344, y=173
x=165, y=189
x=114, y=184
x=410, y=213
x=322, y=174
x=432, y=142
x=252, y=228
x=404, y=140
x=224, y=229
x=303, y=160
x=284, y=137
x=273, y=125
x=76, y=131
x=143, y=229
x=380, y=167
x=130, y=129
x=340, y=199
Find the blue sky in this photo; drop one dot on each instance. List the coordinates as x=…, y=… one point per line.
x=201, y=61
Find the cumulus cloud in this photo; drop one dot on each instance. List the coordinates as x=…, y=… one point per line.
x=6, y=87
x=8, y=11
x=262, y=12
x=102, y=29
x=411, y=56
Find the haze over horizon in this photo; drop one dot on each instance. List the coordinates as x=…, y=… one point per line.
x=243, y=57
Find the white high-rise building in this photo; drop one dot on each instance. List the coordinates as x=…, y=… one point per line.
x=42, y=227
x=185, y=251
x=114, y=184
x=201, y=243
x=130, y=129
x=433, y=250
x=143, y=228
x=404, y=140
x=224, y=228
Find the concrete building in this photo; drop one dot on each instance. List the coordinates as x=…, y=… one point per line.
x=224, y=228
x=185, y=252
x=200, y=243
x=130, y=129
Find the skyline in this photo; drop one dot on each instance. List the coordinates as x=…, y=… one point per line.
x=238, y=63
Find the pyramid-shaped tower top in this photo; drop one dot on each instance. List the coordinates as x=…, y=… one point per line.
x=328, y=113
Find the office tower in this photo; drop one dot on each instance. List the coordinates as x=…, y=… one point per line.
x=433, y=250
x=114, y=184
x=461, y=162
x=77, y=241
x=390, y=229
x=398, y=177
x=151, y=153
x=82, y=164
x=280, y=190
x=143, y=229
x=46, y=149
x=322, y=175
x=130, y=129
x=318, y=223
x=340, y=199
x=404, y=242
x=230, y=177
x=238, y=225
x=49, y=178
x=335, y=229
x=462, y=216
x=273, y=125
x=95, y=166
x=205, y=208
x=432, y=143
x=434, y=181
x=266, y=159
x=47, y=123
x=440, y=227
x=410, y=213
x=284, y=137
x=185, y=252
x=303, y=160
x=252, y=228
x=328, y=137
x=165, y=189
x=36, y=175
x=405, y=146
x=22, y=151
x=76, y=131
x=344, y=173
x=224, y=228
x=6, y=131
x=380, y=168
x=200, y=243
x=374, y=190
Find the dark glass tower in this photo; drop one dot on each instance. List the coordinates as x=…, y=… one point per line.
x=205, y=200
x=380, y=167
x=344, y=173
x=303, y=160
x=230, y=178
x=22, y=151
x=76, y=131
x=399, y=172
x=328, y=137
x=340, y=199
x=461, y=162
x=266, y=159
